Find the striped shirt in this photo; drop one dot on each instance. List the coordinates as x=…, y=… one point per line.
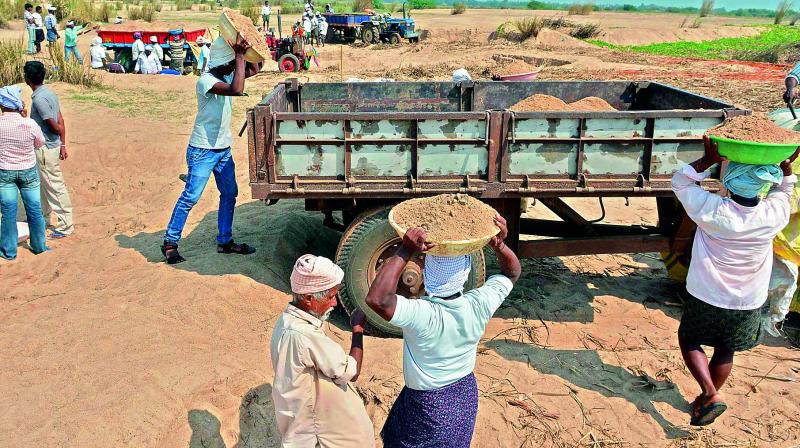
x=19, y=138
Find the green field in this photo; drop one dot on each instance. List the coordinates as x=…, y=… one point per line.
x=775, y=44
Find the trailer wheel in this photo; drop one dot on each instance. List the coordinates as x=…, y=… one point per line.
x=394, y=39
x=413, y=40
x=368, y=35
x=366, y=243
x=288, y=63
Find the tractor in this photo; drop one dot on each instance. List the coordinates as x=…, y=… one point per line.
x=290, y=53
x=385, y=28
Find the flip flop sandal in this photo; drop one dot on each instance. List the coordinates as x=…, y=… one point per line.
x=232, y=248
x=709, y=413
x=57, y=235
x=171, y=255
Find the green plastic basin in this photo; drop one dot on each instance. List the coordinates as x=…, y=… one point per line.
x=754, y=153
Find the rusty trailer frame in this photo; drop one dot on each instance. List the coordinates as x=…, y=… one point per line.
x=358, y=146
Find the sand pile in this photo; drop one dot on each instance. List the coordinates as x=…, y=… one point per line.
x=515, y=68
x=141, y=25
x=447, y=217
x=754, y=128
x=538, y=103
x=248, y=31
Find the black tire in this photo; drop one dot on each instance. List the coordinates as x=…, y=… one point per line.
x=368, y=35
x=288, y=63
x=413, y=40
x=394, y=38
x=363, y=238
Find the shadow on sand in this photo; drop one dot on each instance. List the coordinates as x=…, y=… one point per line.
x=585, y=369
x=257, y=427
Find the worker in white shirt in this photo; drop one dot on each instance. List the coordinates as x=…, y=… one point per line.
x=148, y=63
x=315, y=402
x=265, y=13
x=38, y=24
x=98, y=53
x=205, y=54
x=307, y=27
x=30, y=28
x=323, y=29
x=159, y=52
x=730, y=269
x=138, y=47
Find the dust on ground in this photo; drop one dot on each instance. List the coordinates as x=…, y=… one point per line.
x=103, y=345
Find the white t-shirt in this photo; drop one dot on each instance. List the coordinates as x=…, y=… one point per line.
x=732, y=251
x=37, y=20
x=265, y=10
x=440, y=337
x=98, y=53
x=307, y=25
x=137, y=49
x=212, y=126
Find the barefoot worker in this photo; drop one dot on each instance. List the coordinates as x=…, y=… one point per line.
x=730, y=268
x=439, y=403
x=209, y=149
x=315, y=404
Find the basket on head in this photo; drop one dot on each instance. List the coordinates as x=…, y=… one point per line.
x=232, y=23
x=449, y=248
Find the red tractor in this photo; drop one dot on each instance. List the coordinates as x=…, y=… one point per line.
x=290, y=53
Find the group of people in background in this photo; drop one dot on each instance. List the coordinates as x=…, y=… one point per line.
x=32, y=147
x=312, y=27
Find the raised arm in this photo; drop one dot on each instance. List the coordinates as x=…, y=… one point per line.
x=382, y=297
x=236, y=87
x=506, y=258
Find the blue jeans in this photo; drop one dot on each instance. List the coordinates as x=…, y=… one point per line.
x=26, y=184
x=70, y=51
x=203, y=162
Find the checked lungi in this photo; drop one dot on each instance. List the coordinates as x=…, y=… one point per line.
x=442, y=418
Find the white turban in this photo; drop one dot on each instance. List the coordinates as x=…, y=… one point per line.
x=446, y=276
x=97, y=41
x=312, y=274
x=221, y=53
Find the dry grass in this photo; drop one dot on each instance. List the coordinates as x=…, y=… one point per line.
x=586, y=31
x=106, y=12
x=706, y=8
x=458, y=8
x=183, y=5
x=146, y=12
x=581, y=9
x=251, y=10
x=12, y=54
x=784, y=6
x=361, y=5
x=529, y=27
x=70, y=72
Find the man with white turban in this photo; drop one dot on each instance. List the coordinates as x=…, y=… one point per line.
x=209, y=149
x=315, y=403
x=730, y=269
x=148, y=63
x=19, y=138
x=441, y=332
x=98, y=54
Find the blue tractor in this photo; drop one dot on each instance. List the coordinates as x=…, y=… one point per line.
x=385, y=28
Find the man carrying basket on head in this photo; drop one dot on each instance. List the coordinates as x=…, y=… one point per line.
x=209, y=149
x=439, y=403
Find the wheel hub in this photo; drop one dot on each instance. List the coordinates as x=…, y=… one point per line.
x=411, y=282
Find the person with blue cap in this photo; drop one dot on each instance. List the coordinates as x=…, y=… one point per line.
x=730, y=268
x=209, y=149
x=19, y=138
x=441, y=331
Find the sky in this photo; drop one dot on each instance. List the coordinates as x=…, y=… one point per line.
x=728, y=4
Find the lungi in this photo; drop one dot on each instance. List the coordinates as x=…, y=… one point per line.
x=443, y=417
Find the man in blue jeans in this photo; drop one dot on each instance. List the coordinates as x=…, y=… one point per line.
x=19, y=138
x=209, y=149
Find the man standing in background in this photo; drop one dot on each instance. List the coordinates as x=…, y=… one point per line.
x=30, y=28
x=148, y=63
x=46, y=112
x=265, y=12
x=38, y=24
x=157, y=50
x=71, y=42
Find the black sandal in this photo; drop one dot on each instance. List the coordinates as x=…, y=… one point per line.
x=232, y=248
x=171, y=255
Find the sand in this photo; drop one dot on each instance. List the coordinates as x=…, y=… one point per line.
x=447, y=217
x=248, y=31
x=538, y=103
x=755, y=128
x=515, y=68
x=102, y=345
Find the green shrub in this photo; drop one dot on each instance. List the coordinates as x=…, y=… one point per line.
x=105, y=13
x=361, y=5
x=586, y=31
x=422, y=4
x=458, y=8
x=134, y=12
x=291, y=8
x=536, y=4
x=558, y=23
x=250, y=9
x=706, y=8
x=12, y=53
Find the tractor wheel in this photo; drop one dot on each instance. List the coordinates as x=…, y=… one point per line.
x=368, y=35
x=413, y=40
x=394, y=39
x=365, y=245
x=288, y=63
